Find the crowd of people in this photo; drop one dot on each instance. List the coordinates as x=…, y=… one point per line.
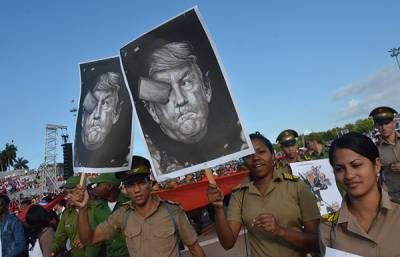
x=12, y=184
x=116, y=215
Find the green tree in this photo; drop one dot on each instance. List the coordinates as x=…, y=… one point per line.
x=21, y=163
x=8, y=156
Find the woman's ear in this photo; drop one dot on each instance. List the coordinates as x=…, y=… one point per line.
x=378, y=166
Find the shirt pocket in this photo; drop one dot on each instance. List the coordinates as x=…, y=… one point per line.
x=164, y=239
x=133, y=236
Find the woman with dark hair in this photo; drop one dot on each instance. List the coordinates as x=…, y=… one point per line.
x=278, y=210
x=41, y=232
x=368, y=222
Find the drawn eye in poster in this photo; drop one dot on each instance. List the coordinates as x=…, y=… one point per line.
x=318, y=175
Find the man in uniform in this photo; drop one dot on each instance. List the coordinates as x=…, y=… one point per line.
x=288, y=142
x=317, y=146
x=389, y=148
x=67, y=227
x=106, y=189
x=151, y=227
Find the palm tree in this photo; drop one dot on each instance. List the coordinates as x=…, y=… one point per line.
x=3, y=166
x=21, y=163
x=8, y=156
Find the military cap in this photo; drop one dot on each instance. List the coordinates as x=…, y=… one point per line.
x=71, y=183
x=287, y=137
x=383, y=114
x=106, y=178
x=140, y=170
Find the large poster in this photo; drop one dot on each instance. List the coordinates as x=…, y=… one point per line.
x=182, y=99
x=318, y=175
x=103, y=137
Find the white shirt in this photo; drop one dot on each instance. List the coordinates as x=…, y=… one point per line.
x=111, y=205
x=36, y=251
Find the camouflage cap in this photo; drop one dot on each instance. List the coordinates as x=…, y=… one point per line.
x=383, y=114
x=287, y=137
x=106, y=178
x=71, y=183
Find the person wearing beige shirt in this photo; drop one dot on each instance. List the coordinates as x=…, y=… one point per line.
x=368, y=222
x=278, y=210
x=151, y=227
x=287, y=140
x=389, y=149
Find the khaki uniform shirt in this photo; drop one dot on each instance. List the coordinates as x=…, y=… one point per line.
x=153, y=235
x=382, y=239
x=390, y=154
x=290, y=201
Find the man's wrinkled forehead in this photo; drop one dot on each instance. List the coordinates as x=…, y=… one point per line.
x=173, y=74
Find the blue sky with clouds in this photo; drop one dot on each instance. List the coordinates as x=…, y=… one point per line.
x=306, y=65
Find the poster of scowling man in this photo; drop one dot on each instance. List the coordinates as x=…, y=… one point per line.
x=103, y=137
x=184, y=106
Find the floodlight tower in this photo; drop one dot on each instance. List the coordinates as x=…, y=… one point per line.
x=394, y=52
x=48, y=170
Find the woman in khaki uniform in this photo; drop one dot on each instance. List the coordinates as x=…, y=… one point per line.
x=368, y=222
x=279, y=211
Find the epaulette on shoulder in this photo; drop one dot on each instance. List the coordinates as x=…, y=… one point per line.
x=290, y=177
x=125, y=203
x=239, y=187
x=171, y=202
x=395, y=200
x=331, y=217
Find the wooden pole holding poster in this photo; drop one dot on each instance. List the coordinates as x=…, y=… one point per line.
x=82, y=181
x=210, y=176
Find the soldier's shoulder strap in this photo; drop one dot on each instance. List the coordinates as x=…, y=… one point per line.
x=290, y=177
x=240, y=187
x=171, y=202
x=395, y=200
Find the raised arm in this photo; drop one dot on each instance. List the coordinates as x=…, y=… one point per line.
x=227, y=231
x=87, y=236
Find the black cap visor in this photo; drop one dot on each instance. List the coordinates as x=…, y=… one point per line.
x=289, y=142
x=383, y=121
x=130, y=180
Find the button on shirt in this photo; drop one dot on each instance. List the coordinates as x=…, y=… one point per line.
x=291, y=203
x=153, y=235
x=382, y=239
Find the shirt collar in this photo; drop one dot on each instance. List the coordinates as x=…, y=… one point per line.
x=383, y=141
x=155, y=198
x=344, y=215
x=276, y=178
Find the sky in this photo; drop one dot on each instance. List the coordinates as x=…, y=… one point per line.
x=304, y=65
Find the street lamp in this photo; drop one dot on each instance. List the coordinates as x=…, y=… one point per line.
x=394, y=52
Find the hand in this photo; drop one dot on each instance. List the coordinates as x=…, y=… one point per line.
x=78, y=244
x=80, y=197
x=267, y=222
x=51, y=254
x=395, y=167
x=215, y=196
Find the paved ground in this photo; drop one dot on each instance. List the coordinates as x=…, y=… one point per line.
x=212, y=248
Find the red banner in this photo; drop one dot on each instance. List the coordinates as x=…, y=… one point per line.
x=193, y=196
x=48, y=207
